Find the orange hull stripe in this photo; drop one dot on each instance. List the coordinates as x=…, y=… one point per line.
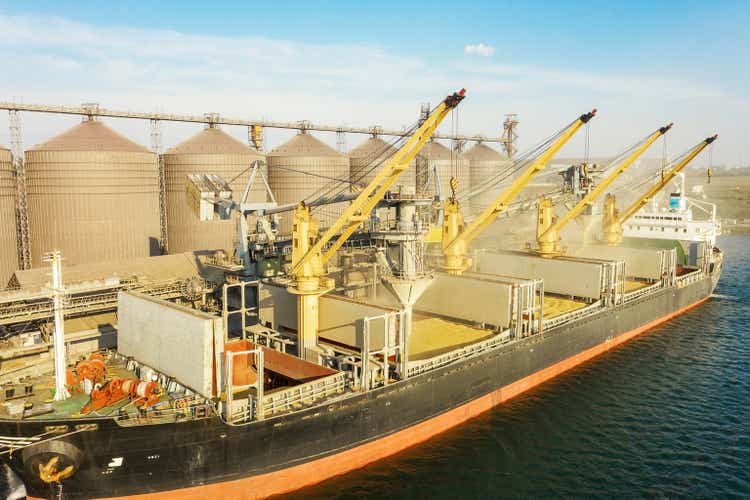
x=298, y=476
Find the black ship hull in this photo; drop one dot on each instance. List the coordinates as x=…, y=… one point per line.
x=203, y=458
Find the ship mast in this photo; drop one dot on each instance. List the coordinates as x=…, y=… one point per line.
x=58, y=293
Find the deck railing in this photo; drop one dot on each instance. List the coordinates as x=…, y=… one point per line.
x=135, y=417
x=303, y=395
x=686, y=279
x=641, y=292
x=425, y=365
x=572, y=315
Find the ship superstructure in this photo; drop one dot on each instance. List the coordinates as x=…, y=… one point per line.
x=681, y=218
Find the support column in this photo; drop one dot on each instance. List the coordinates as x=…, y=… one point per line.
x=308, y=310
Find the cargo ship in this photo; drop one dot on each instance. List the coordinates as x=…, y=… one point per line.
x=321, y=369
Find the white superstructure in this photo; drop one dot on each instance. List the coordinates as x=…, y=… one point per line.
x=677, y=220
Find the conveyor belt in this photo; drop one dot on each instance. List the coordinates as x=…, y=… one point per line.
x=21, y=308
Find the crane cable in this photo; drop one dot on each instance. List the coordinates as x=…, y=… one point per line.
x=587, y=144
x=454, y=154
x=373, y=160
x=377, y=160
x=610, y=164
x=638, y=183
x=519, y=163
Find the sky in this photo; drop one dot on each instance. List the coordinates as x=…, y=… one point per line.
x=642, y=64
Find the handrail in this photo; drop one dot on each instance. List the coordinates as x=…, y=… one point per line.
x=572, y=315
x=687, y=279
x=422, y=366
x=629, y=296
x=300, y=396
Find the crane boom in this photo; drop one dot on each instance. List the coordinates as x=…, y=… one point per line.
x=456, y=237
x=360, y=208
x=613, y=220
x=548, y=230
x=308, y=254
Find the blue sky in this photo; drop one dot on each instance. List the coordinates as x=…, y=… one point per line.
x=642, y=64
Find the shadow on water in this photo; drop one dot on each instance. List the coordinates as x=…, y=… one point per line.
x=665, y=415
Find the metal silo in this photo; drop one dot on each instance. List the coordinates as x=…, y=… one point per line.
x=366, y=159
x=485, y=164
x=449, y=164
x=304, y=167
x=92, y=194
x=210, y=151
x=8, y=240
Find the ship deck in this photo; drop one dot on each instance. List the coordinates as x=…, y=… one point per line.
x=40, y=405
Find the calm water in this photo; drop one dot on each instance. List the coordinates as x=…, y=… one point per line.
x=667, y=415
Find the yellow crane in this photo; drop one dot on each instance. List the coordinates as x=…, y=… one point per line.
x=613, y=219
x=457, y=237
x=548, y=226
x=311, y=251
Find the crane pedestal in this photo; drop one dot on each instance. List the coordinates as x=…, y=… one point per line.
x=308, y=292
x=455, y=250
x=547, y=238
x=611, y=227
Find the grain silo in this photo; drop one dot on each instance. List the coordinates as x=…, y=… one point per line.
x=92, y=194
x=485, y=164
x=210, y=151
x=368, y=157
x=448, y=163
x=8, y=246
x=304, y=167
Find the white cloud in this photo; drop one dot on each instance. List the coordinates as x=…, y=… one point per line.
x=479, y=49
x=60, y=61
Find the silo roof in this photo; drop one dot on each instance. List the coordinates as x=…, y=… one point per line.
x=436, y=151
x=211, y=141
x=90, y=135
x=482, y=152
x=372, y=147
x=305, y=145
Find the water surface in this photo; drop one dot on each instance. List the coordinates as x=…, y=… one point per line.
x=663, y=416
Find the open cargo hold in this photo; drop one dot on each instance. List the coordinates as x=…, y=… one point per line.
x=264, y=382
x=295, y=370
x=483, y=299
x=499, y=302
